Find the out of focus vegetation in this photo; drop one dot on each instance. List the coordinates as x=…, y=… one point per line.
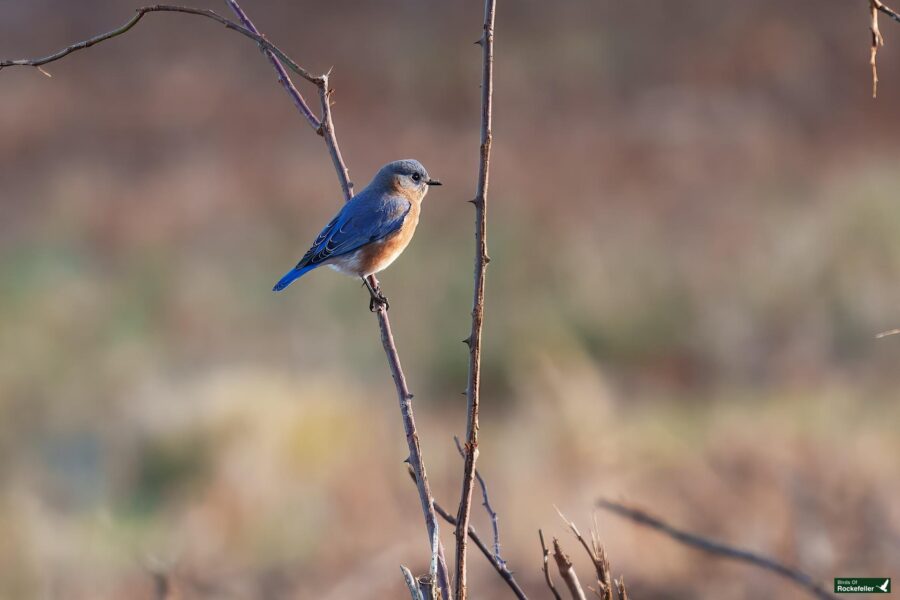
x=695, y=229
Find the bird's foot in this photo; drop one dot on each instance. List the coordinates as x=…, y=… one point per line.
x=377, y=300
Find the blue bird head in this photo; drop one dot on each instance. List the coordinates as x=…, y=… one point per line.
x=407, y=176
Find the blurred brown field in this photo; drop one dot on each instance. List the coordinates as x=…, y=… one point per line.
x=695, y=229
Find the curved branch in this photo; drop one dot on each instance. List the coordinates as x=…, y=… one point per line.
x=271, y=50
x=717, y=548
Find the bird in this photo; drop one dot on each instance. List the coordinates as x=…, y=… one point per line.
x=372, y=229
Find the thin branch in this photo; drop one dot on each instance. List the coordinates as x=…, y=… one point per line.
x=283, y=77
x=501, y=568
x=717, y=548
x=567, y=572
x=881, y=6
x=877, y=41
x=620, y=587
x=270, y=50
x=486, y=503
x=326, y=129
x=139, y=14
x=473, y=389
x=601, y=564
x=412, y=440
x=876, y=6
x=597, y=555
x=411, y=584
x=546, y=567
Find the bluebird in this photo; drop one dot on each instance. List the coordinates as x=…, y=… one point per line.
x=372, y=229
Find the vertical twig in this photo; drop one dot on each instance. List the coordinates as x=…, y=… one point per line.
x=411, y=584
x=481, y=262
x=877, y=41
x=546, y=567
x=486, y=503
x=567, y=572
x=326, y=129
x=620, y=587
x=597, y=555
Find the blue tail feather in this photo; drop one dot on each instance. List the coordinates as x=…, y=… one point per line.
x=290, y=276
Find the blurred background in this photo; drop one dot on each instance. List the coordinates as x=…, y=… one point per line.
x=695, y=228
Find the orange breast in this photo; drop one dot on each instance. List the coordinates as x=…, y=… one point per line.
x=377, y=256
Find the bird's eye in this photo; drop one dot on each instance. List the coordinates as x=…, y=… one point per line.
x=416, y=177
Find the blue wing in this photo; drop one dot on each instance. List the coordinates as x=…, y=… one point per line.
x=365, y=219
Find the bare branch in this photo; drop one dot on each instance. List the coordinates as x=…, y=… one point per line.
x=597, y=555
x=139, y=14
x=411, y=583
x=412, y=440
x=567, y=571
x=875, y=7
x=486, y=503
x=546, y=567
x=877, y=41
x=326, y=130
x=620, y=587
x=473, y=389
x=501, y=568
x=717, y=548
x=283, y=77
x=887, y=10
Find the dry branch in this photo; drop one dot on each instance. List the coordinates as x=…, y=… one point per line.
x=567, y=571
x=620, y=587
x=717, y=548
x=875, y=7
x=473, y=389
x=139, y=14
x=545, y=567
x=486, y=503
x=324, y=126
x=501, y=568
x=411, y=584
x=597, y=555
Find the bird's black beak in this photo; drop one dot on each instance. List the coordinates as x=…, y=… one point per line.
x=433, y=182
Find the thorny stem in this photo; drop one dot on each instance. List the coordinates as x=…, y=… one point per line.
x=481, y=261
